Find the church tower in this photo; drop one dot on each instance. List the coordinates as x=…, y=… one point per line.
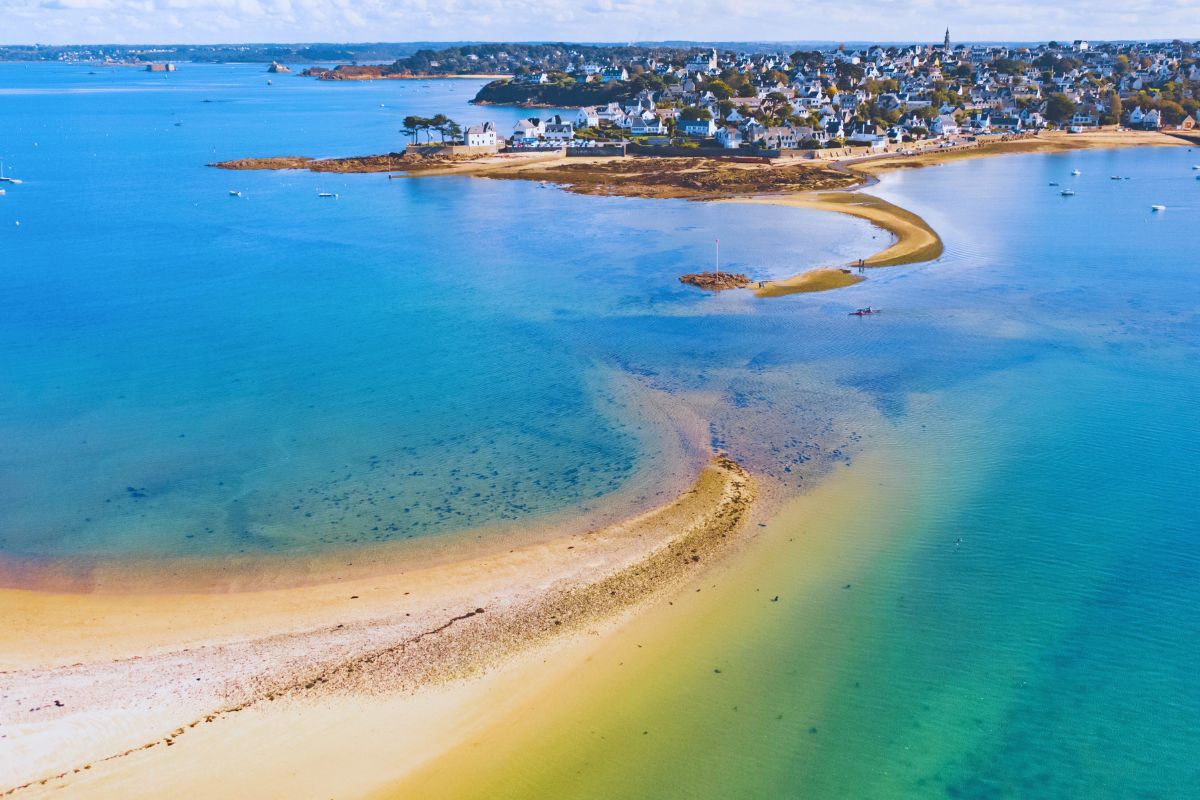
x=946, y=42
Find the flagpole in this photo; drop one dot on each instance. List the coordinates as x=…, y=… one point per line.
x=717, y=260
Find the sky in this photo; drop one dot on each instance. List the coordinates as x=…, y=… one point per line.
x=199, y=21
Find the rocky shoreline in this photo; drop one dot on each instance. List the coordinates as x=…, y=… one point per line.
x=716, y=281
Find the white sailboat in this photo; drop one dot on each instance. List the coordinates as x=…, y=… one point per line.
x=4, y=179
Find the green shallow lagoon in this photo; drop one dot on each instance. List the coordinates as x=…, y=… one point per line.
x=999, y=597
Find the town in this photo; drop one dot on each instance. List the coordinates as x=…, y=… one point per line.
x=876, y=98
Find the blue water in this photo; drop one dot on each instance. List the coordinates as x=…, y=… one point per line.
x=1008, y=607
x=184, y=372
x=187, y=372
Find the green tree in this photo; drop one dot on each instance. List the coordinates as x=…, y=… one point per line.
x=410, y=128
x=721, y=89
x=1172, y=112
x=693, y=113
x=438, y=123
x=1115, y=110
x=1059, y=108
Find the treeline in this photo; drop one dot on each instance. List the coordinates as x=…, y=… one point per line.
x=514, y=58
x=440, y=124
x=565, y=91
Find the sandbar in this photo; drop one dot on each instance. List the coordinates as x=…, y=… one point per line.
x=104, y=692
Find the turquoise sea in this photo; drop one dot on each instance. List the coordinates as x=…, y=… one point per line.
x=183, y=372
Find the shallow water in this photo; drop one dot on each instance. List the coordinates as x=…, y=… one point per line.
x=193, y=373
x=1001, y=600
x=186, y=372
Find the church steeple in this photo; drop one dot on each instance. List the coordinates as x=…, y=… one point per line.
x=946, y=43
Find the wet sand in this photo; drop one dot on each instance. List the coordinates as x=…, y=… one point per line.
x=104, y=693
x=655, y=681
x=821, y=279
x=914, y=240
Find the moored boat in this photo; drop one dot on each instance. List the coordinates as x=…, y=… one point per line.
x=3, y=179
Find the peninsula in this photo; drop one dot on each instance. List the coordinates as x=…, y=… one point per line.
x=704, y=124
x=824, y=184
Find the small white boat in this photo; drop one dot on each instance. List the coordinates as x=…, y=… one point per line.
x=1195, y=166
x=4, y=179
x=234, y=193
x=327, y=194
x=1158, y=208
x=2, y=192
x=1076, y=172
x=1114, y=177
x=1067, y=193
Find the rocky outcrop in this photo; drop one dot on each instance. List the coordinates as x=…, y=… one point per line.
x=716, y=281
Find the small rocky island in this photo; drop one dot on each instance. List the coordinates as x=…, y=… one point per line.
x=716, y=281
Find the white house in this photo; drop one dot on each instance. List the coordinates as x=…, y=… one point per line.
x=558, y=129
x=729, y=138
x=647, y=125
x=944, y=125
x=1084, y=119
x=587, y=117
x=481, y=135
x=527, y=130
x=1147, y=120
x=698, y=127
x=703, y=63
x=780, y=138
x=868, y=134
x=610, y=113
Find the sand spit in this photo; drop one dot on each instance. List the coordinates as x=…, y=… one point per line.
x=817, y=184
x=96, y=725
x=821, y=279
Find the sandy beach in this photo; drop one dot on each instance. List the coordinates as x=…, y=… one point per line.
x=914, y=241
x=649, y=671
x=99, y=689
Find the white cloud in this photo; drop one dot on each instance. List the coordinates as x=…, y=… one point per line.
x=118, y=21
